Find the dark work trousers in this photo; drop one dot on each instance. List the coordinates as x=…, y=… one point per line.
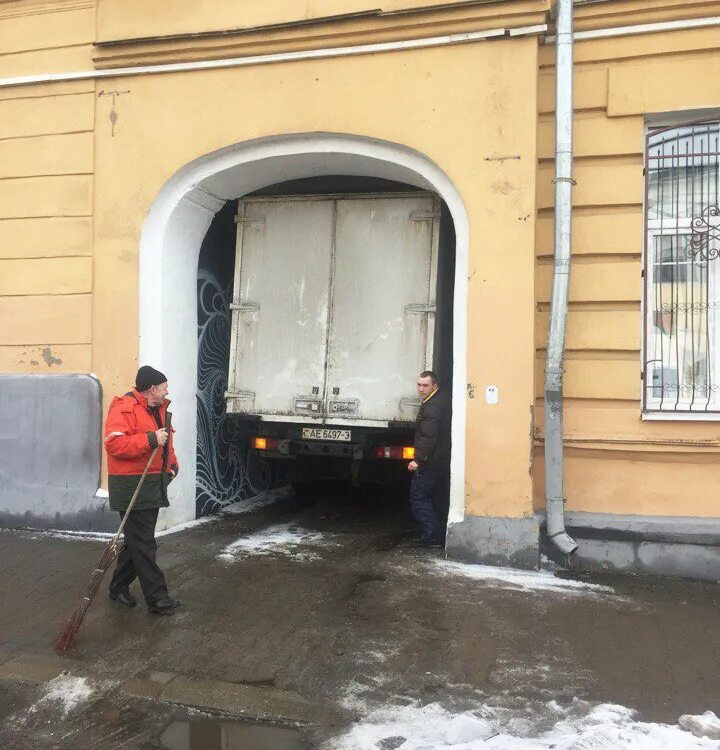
x=441, y=498
x=425, y=487
x=137, y=557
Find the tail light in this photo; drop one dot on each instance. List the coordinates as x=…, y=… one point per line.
x=404, y=453
x=265, y=444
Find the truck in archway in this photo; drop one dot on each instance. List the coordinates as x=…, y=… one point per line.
x=333, y=318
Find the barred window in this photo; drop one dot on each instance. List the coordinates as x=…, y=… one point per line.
x=682, y=283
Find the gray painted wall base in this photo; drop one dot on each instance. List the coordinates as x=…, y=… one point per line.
x=95, y=517
x=50, y=443
x=683, y=547
x=649, y=558
x=652, y=545
x=513, y=542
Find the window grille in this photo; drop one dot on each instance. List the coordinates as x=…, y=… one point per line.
x=681, y=339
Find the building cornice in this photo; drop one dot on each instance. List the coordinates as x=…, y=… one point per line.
x=607, y=14
x=238, y=62
x=347, y=30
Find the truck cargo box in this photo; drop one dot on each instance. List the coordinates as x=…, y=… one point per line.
x=333, y=310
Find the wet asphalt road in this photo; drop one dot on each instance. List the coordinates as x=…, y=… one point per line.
x=287, y=636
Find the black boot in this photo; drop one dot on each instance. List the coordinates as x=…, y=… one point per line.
x=123, y=598
x=165, y=606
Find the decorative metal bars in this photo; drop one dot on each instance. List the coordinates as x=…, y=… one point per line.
x=681, y=341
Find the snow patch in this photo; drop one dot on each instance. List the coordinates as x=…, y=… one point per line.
x=602, y=727
x=261, y=500
x=518, y=580
x=65, y=692
x=466, y=728
x=283, y=539
x=106, y=536
x=187, y=525
x=75, y=536
x=704, y=725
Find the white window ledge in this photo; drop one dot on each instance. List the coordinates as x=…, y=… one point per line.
x=671, y=416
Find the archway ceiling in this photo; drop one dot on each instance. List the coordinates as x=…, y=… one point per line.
x=245, y=178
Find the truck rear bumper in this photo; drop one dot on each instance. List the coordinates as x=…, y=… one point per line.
x=290, y=449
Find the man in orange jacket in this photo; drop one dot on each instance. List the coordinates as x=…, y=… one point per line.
x=137, y=423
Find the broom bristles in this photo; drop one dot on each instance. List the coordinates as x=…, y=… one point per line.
x=67, y=636
x=66, y=639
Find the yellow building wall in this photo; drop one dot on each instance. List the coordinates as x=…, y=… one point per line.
x=410, y=98
x=75, y=189
x=46, y=36
x=46, y=189
x=615, y=461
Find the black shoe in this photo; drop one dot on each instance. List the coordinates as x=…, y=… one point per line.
x=123, y=598
x=165, y=606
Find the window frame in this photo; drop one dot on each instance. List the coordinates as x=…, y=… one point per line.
x=652, y=228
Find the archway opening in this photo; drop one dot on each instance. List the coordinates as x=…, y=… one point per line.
x=179, y=221
x=229, y=469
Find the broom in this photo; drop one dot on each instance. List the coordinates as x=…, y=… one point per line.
x=66, y=639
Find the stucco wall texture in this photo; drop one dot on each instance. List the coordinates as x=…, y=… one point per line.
x=81, y=163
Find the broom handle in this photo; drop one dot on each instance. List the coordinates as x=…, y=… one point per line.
x=135, y=495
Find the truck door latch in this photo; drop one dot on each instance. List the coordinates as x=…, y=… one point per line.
x=307, y=405
x=349, y=407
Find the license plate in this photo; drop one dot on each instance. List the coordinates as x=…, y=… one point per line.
x=323, y=433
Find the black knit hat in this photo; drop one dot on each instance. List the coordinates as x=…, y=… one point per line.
x=148, y=376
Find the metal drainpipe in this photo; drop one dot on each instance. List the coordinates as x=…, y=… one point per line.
x=554, y=495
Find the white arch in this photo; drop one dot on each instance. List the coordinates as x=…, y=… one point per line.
x=170, y=245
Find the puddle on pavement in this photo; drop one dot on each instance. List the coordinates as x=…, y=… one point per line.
x=206, y=734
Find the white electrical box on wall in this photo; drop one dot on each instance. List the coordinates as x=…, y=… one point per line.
x=491, y=394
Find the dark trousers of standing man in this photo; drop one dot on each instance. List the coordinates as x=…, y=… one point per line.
x=137, y=557
x=426, y=483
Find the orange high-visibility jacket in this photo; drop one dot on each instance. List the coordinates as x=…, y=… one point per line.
x=130, y=436
x=129, y=440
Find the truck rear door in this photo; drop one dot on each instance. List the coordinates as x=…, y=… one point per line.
x=280, y=307
x=382, y=306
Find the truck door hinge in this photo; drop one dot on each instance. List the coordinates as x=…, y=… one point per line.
x=424, y=215
x=249, y=219
x=419, y=309
x=241, y=395
x=245, y=306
